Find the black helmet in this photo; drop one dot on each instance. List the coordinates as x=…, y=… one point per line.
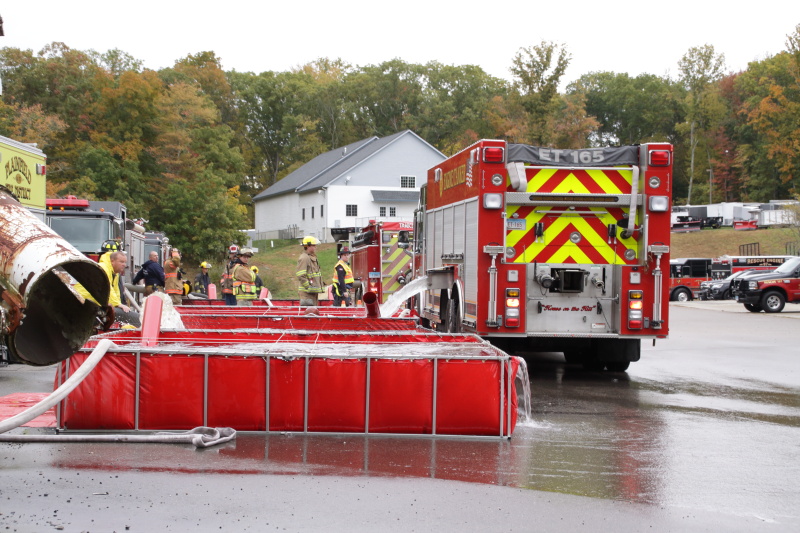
x=110, y=246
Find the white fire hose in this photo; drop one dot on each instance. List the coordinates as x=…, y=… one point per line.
x=201, y=437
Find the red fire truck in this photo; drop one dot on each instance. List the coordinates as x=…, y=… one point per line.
x=688, y=277
x=540, y=249
x=382, y=258
x=88, y=224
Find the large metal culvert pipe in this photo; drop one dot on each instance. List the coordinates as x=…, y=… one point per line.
x=42, y=319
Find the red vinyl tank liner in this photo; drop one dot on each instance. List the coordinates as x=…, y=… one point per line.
x=410, y=382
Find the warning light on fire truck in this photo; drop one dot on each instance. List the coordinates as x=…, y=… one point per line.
x=635, y=306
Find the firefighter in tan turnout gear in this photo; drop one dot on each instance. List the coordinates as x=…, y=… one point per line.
x=244, y=279
x=226, y=283
x=172, y=285
x=308, y=273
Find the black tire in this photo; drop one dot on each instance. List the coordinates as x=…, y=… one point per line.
x=753, y=308
x=453, y=317
x=618, y=366
x=773, y=301
x=682, y=295
x=594, y=365
x=726, y=295
x=573, y=357
x=441, y=326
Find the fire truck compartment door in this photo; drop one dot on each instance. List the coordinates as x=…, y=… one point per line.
x=589, y=312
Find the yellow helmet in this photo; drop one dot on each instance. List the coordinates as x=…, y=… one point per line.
x=205, y=264
x=308, y=240
x=254, y=269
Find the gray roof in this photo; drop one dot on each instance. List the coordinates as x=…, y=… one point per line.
x=395, y=196
x=328, y=166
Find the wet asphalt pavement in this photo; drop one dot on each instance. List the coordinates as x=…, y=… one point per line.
x=703, y=434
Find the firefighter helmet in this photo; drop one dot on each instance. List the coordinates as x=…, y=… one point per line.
x=233, y=249
x=246, y=251
x=254, y=269
x=110, y=246
x=308, y=240
x=344, y=250
x=205, y=264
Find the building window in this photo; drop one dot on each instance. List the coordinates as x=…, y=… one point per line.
x=312, y=212
x=408, y=182
x=304, y=213
x=321, y=211
x=351, y=210
x=383, y=211
x=392, y=211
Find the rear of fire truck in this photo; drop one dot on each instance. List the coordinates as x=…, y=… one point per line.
x=382, y=258
x=541, y=249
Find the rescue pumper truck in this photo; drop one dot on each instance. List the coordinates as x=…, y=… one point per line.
x=540, y=249
x=382, y=258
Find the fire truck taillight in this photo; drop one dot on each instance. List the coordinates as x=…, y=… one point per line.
x=660, y=158
x=493, y=154
x=658, y=204
x=492, y=200
x=635, y=306
x=512, y=308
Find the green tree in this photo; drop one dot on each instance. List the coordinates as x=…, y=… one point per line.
x=278, y=131
x=700, y=68
x=630, y=110
x=538, y=71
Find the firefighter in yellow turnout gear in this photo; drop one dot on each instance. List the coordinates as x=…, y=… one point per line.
x=309, y=277
x=244, y=279
x=342, y=279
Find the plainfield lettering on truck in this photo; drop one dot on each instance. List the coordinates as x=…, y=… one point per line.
x=24, y=173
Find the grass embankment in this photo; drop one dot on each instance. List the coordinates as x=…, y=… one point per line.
x=277, y=259
x=277, y=263
x=726, y=241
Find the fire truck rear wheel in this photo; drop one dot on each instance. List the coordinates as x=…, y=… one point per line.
x=618, y=366
x=773, y=302
x=682, y=295
x=453, y=317
x=594, y=365
x=753, y=308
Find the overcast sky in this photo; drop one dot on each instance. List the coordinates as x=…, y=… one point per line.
x=619, y=36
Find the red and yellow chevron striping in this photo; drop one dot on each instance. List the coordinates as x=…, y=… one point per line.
x=563, y=226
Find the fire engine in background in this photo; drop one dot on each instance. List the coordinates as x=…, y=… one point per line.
x=24, y=174
x=689, y=277
x=382, y=258
x=156, y=241
x=685, y=277
x=88, y=224
x=769, y=291
x=539, y=249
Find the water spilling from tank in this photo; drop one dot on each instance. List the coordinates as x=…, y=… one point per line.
x=524, y=389
x=170, y=318
x=397, y=299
